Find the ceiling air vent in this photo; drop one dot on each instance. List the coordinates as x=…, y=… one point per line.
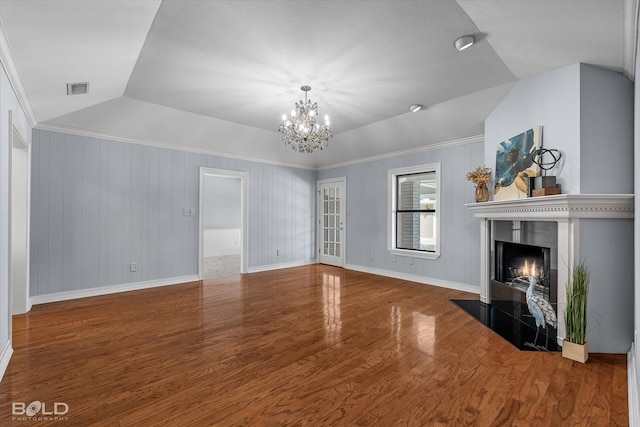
x=77, y=88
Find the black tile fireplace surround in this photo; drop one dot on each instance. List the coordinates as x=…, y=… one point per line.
x=519, y=333
x=520, y=250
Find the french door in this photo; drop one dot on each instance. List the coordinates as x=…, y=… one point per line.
x=331, y=221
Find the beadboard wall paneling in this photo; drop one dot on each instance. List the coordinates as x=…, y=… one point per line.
x=98, y=205
x=367, y=215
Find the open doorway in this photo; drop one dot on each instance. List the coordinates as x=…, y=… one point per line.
x=222, y=223
x=19, y=271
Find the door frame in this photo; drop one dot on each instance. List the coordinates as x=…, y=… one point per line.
x=244, y=208
x=343, y=252
x=19, y=141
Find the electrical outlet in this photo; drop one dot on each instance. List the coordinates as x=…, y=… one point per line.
x=410, y=261
x=372, y=255
x=133, y=267
x=186, y=211
x=192, y=212
x=394, y=259
x=278, y=252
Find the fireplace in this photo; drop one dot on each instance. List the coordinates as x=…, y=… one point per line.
x=516, y=262
x=515, y=265
x=524, y=250
x=524, y=259
x=563, y=216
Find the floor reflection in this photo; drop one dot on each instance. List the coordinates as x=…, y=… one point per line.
x=424, y=332
x=395, y=322
x=331, y=308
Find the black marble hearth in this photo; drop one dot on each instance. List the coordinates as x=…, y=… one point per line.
x=501, y=318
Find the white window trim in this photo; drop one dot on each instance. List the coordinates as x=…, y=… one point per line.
x=391, y=211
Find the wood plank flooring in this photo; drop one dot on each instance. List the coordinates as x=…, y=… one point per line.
x=307, y=346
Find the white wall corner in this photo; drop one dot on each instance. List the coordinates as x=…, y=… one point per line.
x=13, y=74
x=5, y=357
x=630, y=39
x=632, y=385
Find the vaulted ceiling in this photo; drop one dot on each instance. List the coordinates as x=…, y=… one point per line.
x=216, y=76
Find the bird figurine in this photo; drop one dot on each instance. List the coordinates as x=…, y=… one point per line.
x=541, y=311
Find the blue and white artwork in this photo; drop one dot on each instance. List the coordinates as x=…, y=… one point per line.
x=514, y=164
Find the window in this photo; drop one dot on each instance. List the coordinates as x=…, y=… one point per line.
x=414, y=228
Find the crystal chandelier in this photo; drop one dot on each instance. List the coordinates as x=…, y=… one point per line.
x=302, y=132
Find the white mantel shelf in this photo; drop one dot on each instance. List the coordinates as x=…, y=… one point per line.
x=561, y=206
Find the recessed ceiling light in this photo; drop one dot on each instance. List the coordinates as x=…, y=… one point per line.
x=415, y=108
x=77, y=88
x=464, y=42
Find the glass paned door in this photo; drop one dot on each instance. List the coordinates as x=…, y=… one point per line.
x=331, y=222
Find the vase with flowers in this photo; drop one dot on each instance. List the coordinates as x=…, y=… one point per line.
x=480, y=177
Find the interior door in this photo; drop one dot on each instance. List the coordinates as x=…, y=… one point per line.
x=331, y=222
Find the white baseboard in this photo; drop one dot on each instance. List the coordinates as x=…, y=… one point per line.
x=632, y=385
x=281, y=265
x=105, y=290
x=415, y=278
x=5, y=357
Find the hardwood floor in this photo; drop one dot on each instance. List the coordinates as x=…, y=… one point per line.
x=307, y=346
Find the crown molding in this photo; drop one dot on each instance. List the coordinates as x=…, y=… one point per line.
x=558, y=207
x=13, y=74
x=109, y=137
x=421, y=149
x=92, y=134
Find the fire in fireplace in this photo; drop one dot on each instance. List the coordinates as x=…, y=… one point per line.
x=516, y=262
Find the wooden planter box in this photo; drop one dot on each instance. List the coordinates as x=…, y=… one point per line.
x=573, y=351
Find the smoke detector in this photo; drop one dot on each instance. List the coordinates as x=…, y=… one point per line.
x=77, y=88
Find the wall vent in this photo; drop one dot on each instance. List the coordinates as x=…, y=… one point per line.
x=77, y=88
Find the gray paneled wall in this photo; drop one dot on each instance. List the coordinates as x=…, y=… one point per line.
x=98, y=205
x=606, y=246
x=367, y=210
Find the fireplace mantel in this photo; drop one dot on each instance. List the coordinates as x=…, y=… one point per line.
x=566, y=210
x=561, y=206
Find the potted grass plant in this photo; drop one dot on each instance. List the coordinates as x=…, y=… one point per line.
x=575, y=346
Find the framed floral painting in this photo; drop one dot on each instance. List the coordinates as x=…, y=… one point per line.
x=514, y=165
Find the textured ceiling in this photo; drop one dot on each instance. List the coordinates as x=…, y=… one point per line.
x=217, y=75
